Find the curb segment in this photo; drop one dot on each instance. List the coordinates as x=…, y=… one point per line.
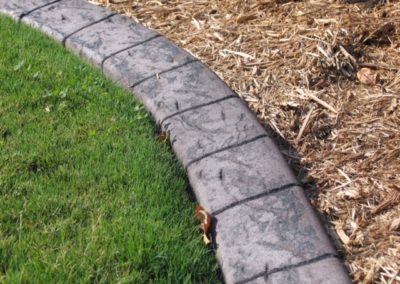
x=271, y=232
x=19, y=9
x=222, y=180
x=201, y=131
x=140, y=63
x=193, y=85
x=327, y=271
x=101, y=41
x=265, y=229
x=65, y=18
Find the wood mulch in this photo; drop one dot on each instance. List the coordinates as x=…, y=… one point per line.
x=324, y=75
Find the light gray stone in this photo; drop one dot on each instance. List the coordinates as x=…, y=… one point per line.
x=201, y=131
x=17, y=8
x=180, y=89
x=271, y=232
x=145, y=60
x=65, y=17
x=103, y=39
x=242, y=172
x=326, y=271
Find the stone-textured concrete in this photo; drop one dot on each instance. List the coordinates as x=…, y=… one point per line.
x=238, y=174
x=200, y=131
x=99, y=41
x=180, y=89
x=18, y=8
x=274, y=231
x=327, y=271
x=265, y=230
x=63, y=18
x=140, y=62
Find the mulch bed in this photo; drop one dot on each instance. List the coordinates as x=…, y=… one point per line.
x=324, y=76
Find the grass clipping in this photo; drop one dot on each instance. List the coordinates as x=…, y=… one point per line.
x=324, y=75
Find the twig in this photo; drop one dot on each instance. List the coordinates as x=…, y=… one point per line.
x=305, y=123
x=319, y=101
x=242, y=54
x=349, y=56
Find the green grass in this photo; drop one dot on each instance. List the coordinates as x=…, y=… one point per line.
x=87, y=192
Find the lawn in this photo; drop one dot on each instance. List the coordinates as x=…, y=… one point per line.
x=88, y=193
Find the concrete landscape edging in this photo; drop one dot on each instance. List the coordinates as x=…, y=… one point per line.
x=265, y=229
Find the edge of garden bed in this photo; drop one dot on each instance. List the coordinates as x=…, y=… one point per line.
x=264, y=229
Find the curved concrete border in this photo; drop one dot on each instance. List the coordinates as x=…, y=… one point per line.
x=265, y=229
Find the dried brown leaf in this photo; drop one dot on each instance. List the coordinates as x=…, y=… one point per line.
x=205, y=223
x=163, y=137
x=368, y=76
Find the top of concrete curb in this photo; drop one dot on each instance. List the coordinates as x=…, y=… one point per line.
x=265, y=229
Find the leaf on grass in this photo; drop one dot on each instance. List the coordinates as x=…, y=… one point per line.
x=368, y=76
x=205, y=223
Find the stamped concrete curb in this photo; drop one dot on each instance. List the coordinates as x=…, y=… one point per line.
x=265, y=229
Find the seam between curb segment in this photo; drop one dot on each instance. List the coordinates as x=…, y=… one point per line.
x=86, y=26
x=126, y=48
x=37, y=8
x=254, y=197
x=289, y=267
x=163, y=72
x=197, y=107
x=224, y=149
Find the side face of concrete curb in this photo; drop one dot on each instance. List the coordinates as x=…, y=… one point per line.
x=265, y=230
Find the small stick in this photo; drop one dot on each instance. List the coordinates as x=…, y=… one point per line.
x=305, y=123
x=322, y=103
x=349, y=56
x=275, y=127
x=242, y=54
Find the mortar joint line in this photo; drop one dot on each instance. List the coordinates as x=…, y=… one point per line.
x=224, y=149
x=126, y=48
x=87, y=26
x=197, y=107
x=257, y=196
x=266, y=274
x=35, y=9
